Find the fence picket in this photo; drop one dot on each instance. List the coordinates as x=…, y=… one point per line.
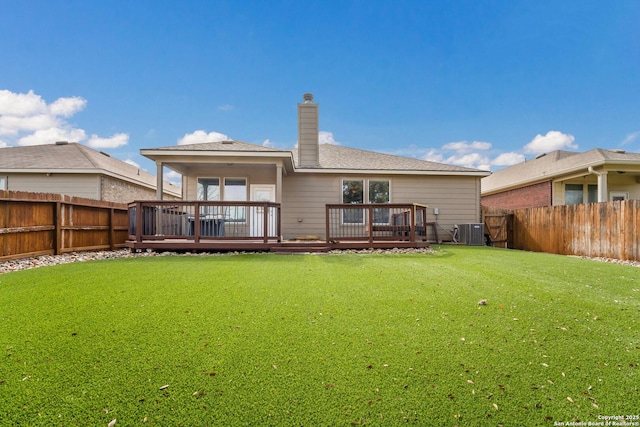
x=42, y=224
x=608, y=230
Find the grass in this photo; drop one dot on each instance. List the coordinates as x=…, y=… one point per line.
x=321, y=340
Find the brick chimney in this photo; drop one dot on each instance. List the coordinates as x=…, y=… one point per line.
x=308, y=153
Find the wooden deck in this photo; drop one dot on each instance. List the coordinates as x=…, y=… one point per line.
x=292, y=246
x=200, y=226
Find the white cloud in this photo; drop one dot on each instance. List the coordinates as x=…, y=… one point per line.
x=466, y=147
x=630, y=138
x=508, y=159
x=470, y=160
x=27, y=119
x=267, y=143
x=117, y=140
x=21, y=104
x=13, y=125
x=225, y=107
x=173, y=177
x=3, y=144
x=200, y=136
x=67, y=107
x=51, y=135
x=132, y=163
x=553, y=140
x=433, y=156
x=325, y=137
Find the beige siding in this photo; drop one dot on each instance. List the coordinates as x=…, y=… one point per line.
x=79, y=185
x=308, y=134
x=305, y=196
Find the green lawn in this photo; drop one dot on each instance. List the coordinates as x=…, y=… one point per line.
x=321, y=340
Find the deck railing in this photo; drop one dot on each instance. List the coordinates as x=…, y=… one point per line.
x=204, y=220
x=377, y=222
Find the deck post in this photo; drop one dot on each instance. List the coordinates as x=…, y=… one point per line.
x=369, y=221
x=139, y=222
x=326, y=225
x=412, y=224
x=278, y=225
x=265, y=222
x=196, y=223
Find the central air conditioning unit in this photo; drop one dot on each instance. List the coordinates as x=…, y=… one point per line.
x=472, y=234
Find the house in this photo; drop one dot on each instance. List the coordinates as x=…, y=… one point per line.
x=564, y=178
x=306, y=182
x=76, y=170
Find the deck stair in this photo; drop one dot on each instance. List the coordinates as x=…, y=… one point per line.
x=300, y=247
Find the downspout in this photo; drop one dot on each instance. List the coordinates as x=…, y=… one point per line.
x=602, y=184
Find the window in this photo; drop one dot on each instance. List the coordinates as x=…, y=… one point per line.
x=573, y=194
x=592, y=193
x=616, y=196
x=235, y=190
x=379, y=193
x=3, y=182
x=208, y=189
x=353, y=193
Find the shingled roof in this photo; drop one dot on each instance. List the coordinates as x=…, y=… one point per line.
x=332, y=157
x=553, y=165
x=73, y=158
x=345, y=158
x=227, y=145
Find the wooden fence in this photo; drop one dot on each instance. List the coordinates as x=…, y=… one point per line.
x=33, y=224
x=608, y=230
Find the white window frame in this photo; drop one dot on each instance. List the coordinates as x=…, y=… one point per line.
x=3, y=182
x=240, y=213
x=365, y=196
x=623, y=195
x=368, y=185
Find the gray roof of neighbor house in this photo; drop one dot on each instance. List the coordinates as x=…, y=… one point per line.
x=74, y=158
x=332, y=158
x=554, y=165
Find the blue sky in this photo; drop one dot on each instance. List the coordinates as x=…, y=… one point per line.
x=476, y=83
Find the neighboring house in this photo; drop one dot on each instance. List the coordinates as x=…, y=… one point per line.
x=76, y=170
x=304, y=180
x=564, y=178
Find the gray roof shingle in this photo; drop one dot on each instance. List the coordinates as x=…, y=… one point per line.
x=345, y=158
x=332, y=157
x=552, y=165
x=72, y=157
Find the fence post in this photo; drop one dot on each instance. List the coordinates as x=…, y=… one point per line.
x=112, y=231
x=57, y=221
